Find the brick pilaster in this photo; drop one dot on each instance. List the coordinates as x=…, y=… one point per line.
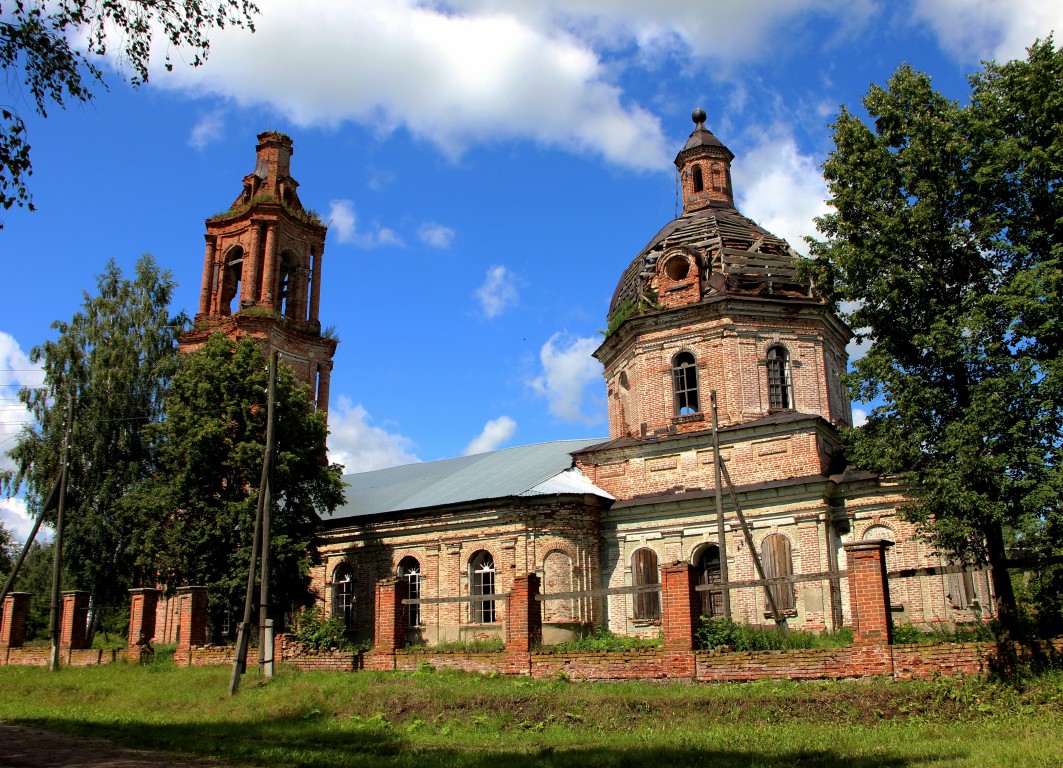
x=143, y=605
x=389, y=632
x=680, y=606
x=191, y=617
x=13, y=619
x=869, y=592
x=524, y=615
x=73, y=632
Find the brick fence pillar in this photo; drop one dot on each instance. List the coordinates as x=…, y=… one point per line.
x=869, y=592
x=680, y=606
x=191, y=618
x=389, y=628
x=73, y=632
x=524, y=615
x=143, y=605
x=13, y=617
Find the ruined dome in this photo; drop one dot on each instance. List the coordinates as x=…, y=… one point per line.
x=709, y=250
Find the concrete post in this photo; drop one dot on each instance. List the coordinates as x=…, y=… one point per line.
x=869, y=592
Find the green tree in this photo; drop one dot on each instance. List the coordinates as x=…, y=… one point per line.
x=114, y=359
x=945, y=238
x=35, y=577
x=40, y=51
x=8, y=551
x=202, y=501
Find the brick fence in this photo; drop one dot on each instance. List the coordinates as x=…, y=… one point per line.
x=871, y=654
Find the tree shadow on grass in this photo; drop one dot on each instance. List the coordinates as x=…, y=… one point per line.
x=310, y=741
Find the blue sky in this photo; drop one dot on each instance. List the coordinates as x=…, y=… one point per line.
x=487, y=169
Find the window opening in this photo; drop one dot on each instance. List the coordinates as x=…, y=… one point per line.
x=286, y=286
x=699, y=181
x=343, y=595
x=482, y=582
x=677, y=268
x=962, y=594
x=644, y=574
x=708, y=572
x=780, y=396
x=685, y=384
x=410, y=572
x=230, y=282
x=778, y=564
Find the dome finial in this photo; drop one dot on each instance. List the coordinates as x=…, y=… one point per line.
x=699, y=117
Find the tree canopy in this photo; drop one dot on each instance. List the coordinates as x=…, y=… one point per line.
x=53, y=50
x=200, y=504
x=114, y=359
x=945, y=243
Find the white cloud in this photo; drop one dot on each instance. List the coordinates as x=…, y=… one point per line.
x=859, y=417
x=451, y=77
x=780, y=188
x=16, y=518
x=16, y=371
x=494, y=434
x=498, y=292
x=342, y=222
x=208, y=130
x=359, y=446
x=568, y=370
x=973, y=30
x=436, y=235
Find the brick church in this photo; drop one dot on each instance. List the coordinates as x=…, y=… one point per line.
x=716, y=346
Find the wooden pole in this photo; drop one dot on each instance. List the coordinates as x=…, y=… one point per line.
x=48, y=504
x=721, y=528
x=265, y=655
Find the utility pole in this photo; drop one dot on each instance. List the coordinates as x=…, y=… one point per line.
x=57, y=562
x=721, y=528
x=265, y=634
x=264, y=501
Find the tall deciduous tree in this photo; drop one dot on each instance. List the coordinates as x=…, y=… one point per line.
x=945, y=237
x=203, y=499
x=114, y=358
x=52, y=49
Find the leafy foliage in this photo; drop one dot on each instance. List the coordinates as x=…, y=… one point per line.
x=604, y=640
x=40, y=50
x=717, y=633
x=35, y=577
x=945, y=240
x=316, y=630
x=8, y=551
x=114, y=359
x=200, y=505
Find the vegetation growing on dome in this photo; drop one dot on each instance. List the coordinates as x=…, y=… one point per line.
x=628, y=308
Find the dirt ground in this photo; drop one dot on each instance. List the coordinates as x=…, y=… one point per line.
x=29, y=748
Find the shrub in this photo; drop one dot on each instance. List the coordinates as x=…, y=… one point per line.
x=604, y=640
x=315, y=630
x=717, y=633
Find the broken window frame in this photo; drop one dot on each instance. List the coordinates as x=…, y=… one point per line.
x=685, y=384
x=776, y=552
x=482, y=582
x=709, y=573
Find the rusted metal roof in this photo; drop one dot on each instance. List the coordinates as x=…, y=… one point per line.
x=528, y=470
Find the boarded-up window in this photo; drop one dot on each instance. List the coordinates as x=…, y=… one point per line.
x=778, y=564
x=780, y=395
x=708, y=568
x=962, y=595
x=643, y=574
x=557, y=578
x=343, y=595
x=410, y=572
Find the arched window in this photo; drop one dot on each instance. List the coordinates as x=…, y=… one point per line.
x=708, y=573
x=557, y=578
x=230, y=281
x=780, y=394
x=778, y=564
x=644, y=574
x=699, y=181
x=685, y=384
x=343, y=594
x=286, y=276
x=410, y=572
x=482, y=582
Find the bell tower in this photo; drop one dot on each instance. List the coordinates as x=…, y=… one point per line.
x=262, y=271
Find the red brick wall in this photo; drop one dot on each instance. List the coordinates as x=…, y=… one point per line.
x=16, y=609
x=869, y=597
x=72, y=632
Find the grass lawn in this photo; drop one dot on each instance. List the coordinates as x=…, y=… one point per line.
x=429, y=719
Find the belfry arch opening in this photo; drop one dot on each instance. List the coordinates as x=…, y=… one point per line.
x=232, y=273
x=286, y=284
